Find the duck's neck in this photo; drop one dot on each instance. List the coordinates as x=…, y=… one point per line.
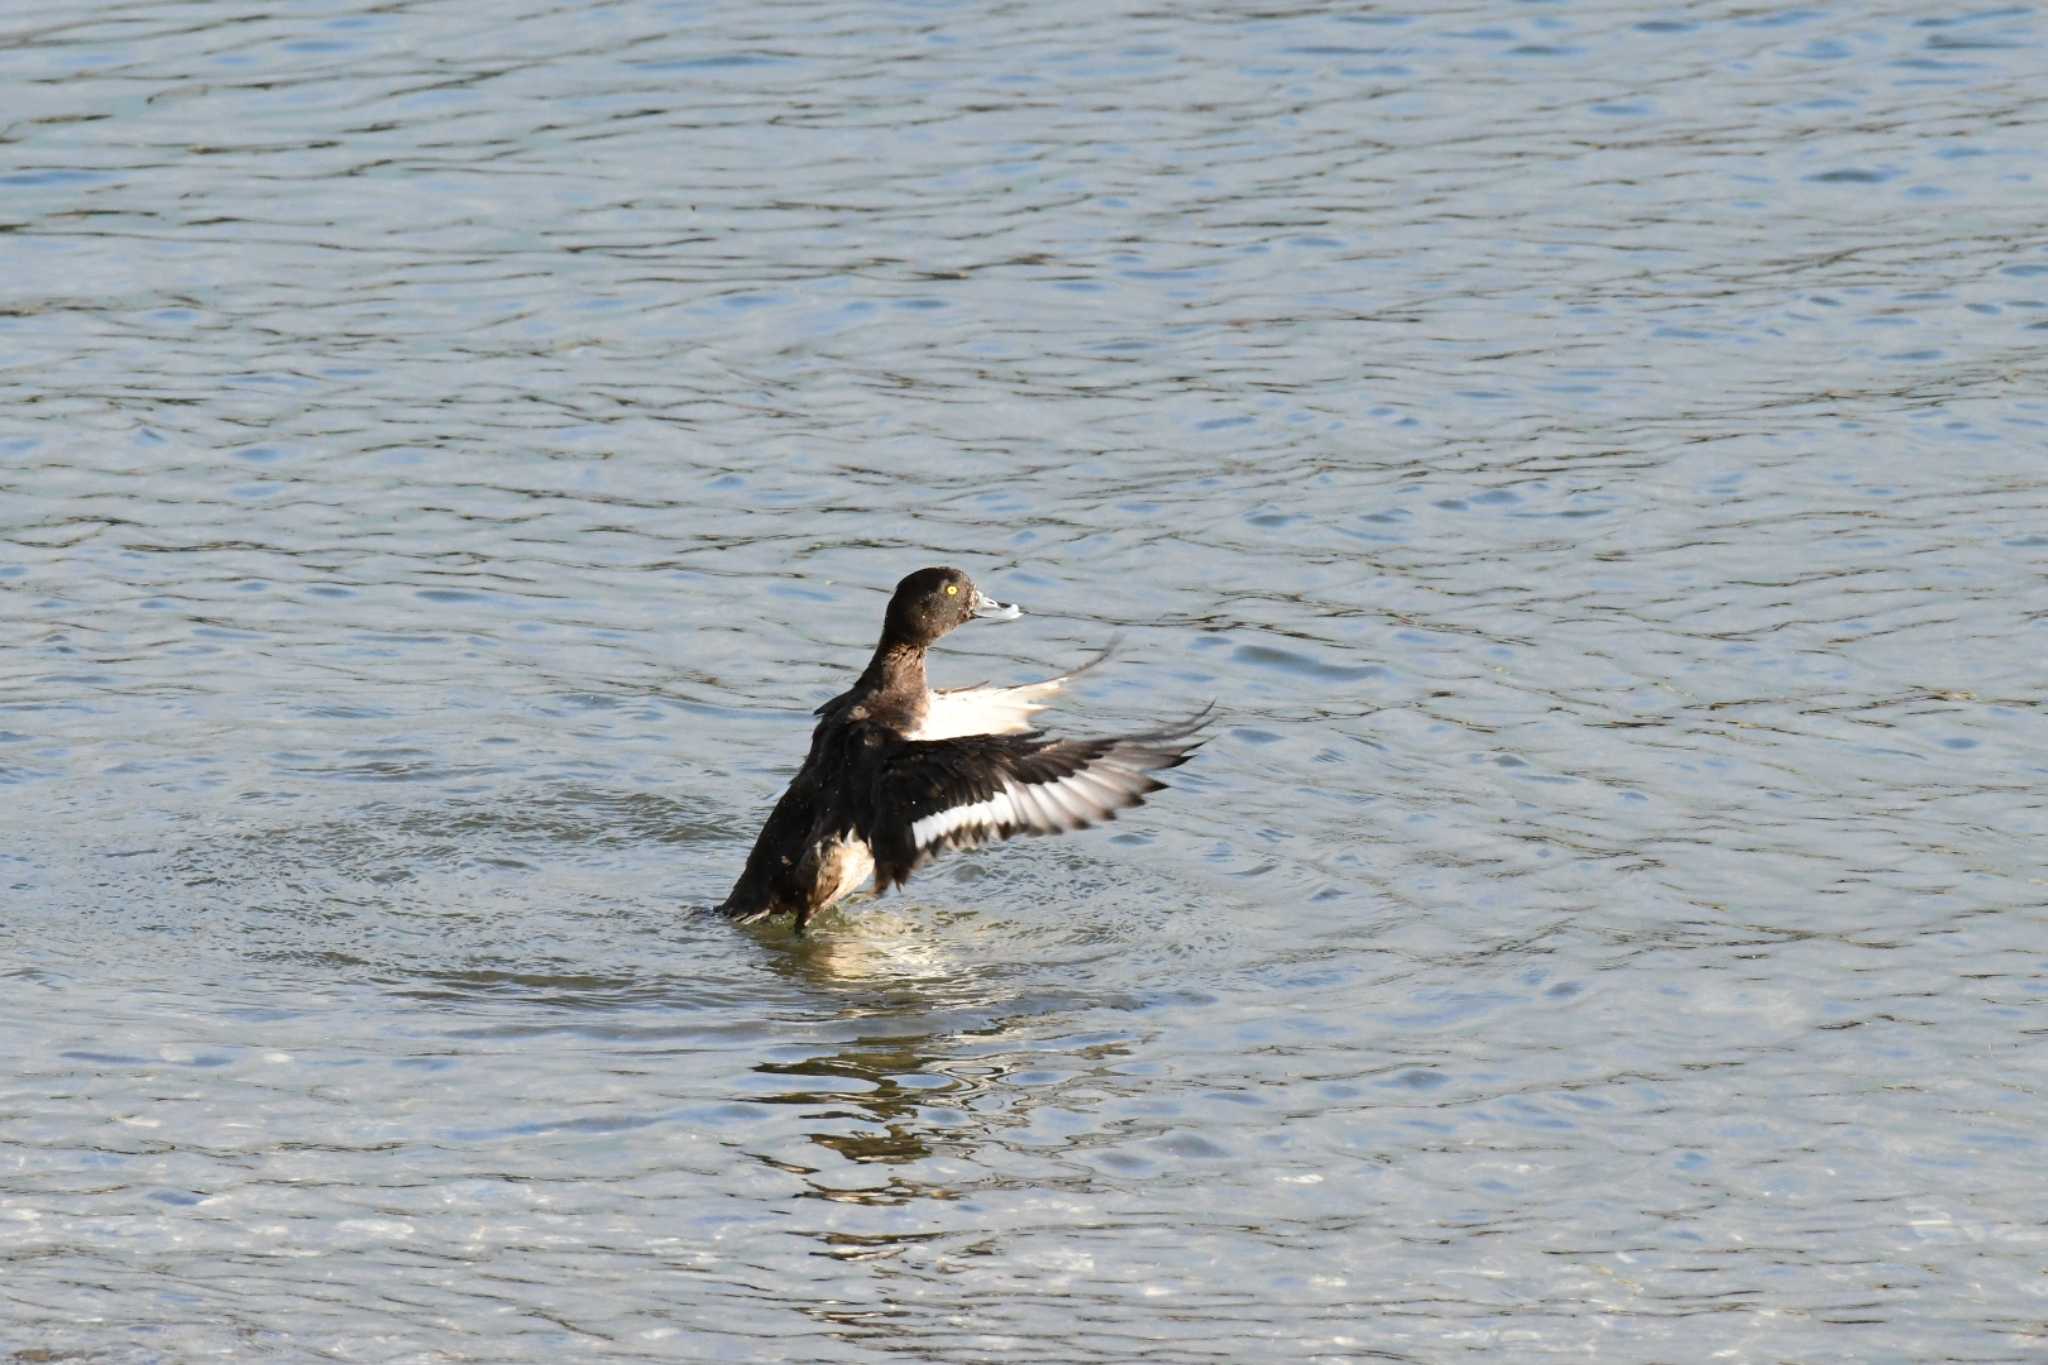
x=896, y=667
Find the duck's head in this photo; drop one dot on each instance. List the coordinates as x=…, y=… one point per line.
x=931, y=602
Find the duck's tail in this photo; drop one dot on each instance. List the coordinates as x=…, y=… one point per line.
x=745, y=914
x=745, y=905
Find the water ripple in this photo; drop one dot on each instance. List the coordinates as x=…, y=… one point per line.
x=1590, y=459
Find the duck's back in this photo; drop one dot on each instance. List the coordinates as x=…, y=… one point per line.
x=797, y=862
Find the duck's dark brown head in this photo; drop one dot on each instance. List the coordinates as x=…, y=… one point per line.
x=931, y=602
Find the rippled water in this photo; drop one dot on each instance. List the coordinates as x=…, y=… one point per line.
x=1594, y=455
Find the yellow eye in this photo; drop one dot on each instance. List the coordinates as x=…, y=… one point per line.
x=952, y=590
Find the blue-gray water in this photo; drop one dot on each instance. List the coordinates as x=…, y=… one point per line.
x=1596, y=456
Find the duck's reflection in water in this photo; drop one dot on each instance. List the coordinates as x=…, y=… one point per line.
x=929, y=1011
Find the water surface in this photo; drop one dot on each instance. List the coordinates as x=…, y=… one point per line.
x=1593, y=455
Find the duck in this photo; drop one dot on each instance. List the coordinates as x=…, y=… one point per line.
x=898, y=774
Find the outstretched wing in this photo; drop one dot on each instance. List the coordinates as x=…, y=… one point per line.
x=956, y=712
x=934, y=795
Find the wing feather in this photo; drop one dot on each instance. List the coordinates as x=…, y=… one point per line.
x=935, y=795
x=959, y=712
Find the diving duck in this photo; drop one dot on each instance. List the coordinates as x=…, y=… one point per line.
x=898, y=773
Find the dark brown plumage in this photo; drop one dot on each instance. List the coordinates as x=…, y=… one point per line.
x=898, y=774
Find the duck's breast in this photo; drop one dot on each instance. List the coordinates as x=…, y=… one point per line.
x=842, y=863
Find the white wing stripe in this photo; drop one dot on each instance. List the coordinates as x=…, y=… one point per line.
x=1104, y=786
x=1046, y=806
x=1076, y=805
x=1067, y=803
x=996, y=810
x=982, y=711
x=1052, y=807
